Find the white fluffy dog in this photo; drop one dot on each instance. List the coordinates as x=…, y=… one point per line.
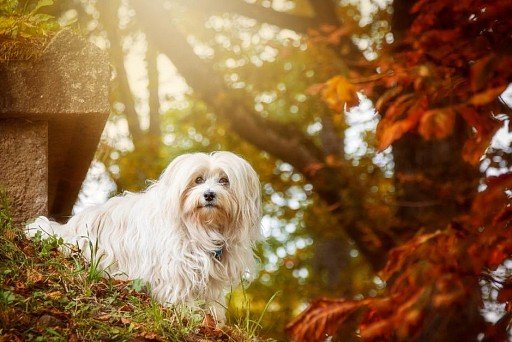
x=189, y=235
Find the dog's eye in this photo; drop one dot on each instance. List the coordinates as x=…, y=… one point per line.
x=224, y=181
x=199, y=180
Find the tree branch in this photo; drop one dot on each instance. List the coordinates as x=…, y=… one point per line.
x=300, y=24
x=325, y=12
x=284, y=141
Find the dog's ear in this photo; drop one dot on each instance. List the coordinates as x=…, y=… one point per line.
x=172, y=183
x=254, y=198
x=248, y=192
x=171, y=171
x=254, y=189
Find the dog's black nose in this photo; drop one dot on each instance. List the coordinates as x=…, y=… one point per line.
x=209, y=196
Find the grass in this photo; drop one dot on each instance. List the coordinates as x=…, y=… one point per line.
x=244, y=316
x=46, y=296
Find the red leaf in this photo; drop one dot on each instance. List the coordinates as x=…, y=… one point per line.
x=496, y=258
x=494, y=199
x=505, y=294
x=485, y=127
x=403, y=319
x=394, y=132
x=389, y=131
x=505, y=215
x=321, y=319
x=481, y=72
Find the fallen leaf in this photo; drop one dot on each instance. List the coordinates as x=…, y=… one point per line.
x=209, y=322
x=104, y=317
x=33, y=276
x=54, y=295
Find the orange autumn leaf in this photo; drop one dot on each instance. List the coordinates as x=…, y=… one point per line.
x=33, y=276
x=504, y=215
x=401, y=321
x=393, y=133
x=338, y=92
x=388, y=131
x=487, y=96
x=485, y=127
x=437, y=123
x=474, y=149
x=494, y=193
x=400, y=106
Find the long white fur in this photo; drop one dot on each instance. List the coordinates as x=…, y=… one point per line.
x=166, y=237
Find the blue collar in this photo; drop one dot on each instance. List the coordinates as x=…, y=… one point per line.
x=217, y=254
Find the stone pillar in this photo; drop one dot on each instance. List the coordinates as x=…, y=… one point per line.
x=52, y=111
x=24, y=166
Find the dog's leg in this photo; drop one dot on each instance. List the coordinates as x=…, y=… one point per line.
x=48, y=228
x=217, y=309
x=68, y=232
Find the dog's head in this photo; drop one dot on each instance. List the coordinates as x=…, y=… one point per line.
x=218, y=191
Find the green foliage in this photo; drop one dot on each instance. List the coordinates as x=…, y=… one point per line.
x=24, y=20
x=94, y=270
x=47, y=245
x=24, y=30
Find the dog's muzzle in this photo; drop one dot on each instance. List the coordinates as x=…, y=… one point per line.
x=209, y=199
x=209, y=196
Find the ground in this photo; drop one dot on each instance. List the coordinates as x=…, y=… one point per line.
x=45, y=295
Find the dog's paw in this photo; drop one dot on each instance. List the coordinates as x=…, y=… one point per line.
x=41, y=224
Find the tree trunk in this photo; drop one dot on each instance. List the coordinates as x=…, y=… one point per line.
x=121, y=90
x=434, y=186
x=154, y=101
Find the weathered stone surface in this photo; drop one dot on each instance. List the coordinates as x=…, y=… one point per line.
x=24, y=166
x=66, y=88
x=70, y=77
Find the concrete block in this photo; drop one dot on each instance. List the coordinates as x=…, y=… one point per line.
x=24, y=167
x=66, y=91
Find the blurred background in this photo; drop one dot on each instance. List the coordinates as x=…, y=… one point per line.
x=246, y=68
x=250, y=77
